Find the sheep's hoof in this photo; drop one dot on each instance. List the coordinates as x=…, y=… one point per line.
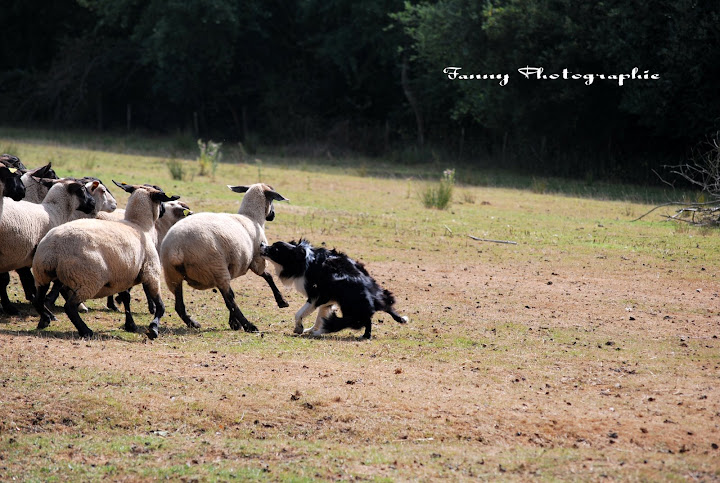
x=130, y=327
x=152, y=333
x=299, y=329
x=192, y=323
x=43, y=324
x=282, y=304
x=86, y=335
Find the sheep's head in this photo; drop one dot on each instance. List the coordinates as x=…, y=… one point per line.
x=104, y=200
x=12, y=185
x=44, y=172
x=177, y=209
x=11, y=161
x=267, y=193
x=155, y=194
x=75, y=188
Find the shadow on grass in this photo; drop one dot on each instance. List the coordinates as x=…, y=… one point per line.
x=327, y=337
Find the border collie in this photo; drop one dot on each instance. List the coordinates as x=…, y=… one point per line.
x=329, y=278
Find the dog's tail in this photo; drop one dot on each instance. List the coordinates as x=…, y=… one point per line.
x=388, y=300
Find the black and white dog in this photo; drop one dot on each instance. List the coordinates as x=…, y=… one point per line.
x=329, y=278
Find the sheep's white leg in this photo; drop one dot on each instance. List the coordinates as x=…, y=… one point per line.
x=304, y=311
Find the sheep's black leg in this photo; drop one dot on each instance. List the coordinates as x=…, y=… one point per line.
x=53, y=294
x=110, y=304
x=39, y=302
x=28, y=282
x=276, y=293
x=71, y=309
x=7, y=306
x=180, y=309
x=150, y=301
x=154, y=327
x=237, y=319
x=124, y=298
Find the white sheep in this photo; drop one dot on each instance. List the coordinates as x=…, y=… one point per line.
x=35, y=190
x=38, y=189
x=95, y=258
x=208, y=250
x=170, y=213
x=24, y=224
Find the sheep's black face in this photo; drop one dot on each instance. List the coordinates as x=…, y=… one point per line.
x=87, y=202
x=270, y=216
x=14, y=187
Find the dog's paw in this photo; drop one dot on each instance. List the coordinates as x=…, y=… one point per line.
x=405, y=319
x=315, y=332
x=298, y=329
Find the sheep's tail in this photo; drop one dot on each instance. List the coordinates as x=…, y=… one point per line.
x=45, y=265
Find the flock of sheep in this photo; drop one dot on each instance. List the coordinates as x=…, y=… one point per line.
x=68, y=232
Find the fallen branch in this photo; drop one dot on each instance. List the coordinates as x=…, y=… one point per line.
x=493, y=241
x=675, y=203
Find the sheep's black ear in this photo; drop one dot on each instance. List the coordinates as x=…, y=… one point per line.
x=275, y=196
x=163, y=197
x=45, y=172
x=239, y=188
x=14, y=162
x=8, y=171
x=46, y=182
x=128, y=188
x=75, y=186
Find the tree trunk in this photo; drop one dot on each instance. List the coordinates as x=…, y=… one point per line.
x=413, y=102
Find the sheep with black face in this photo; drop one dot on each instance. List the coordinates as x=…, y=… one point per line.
x=96, y=258
x=208, y=250
x=24, y=224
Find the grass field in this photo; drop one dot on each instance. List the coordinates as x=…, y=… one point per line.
x=587, y=351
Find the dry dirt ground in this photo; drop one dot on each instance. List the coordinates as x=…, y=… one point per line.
x=548, y=366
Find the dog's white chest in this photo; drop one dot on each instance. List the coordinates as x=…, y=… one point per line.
x=299, y=284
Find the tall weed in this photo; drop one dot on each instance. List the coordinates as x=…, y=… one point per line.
x=440, y=196
x=210, y=156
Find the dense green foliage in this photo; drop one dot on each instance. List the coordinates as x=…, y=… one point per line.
x=368, y=75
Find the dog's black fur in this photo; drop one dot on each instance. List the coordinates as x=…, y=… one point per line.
x=326, y=278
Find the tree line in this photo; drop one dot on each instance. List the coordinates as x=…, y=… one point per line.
x=371, y=76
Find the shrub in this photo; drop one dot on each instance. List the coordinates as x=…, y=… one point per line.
x=177, y=171
x=209, y=157
x=440, y=196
